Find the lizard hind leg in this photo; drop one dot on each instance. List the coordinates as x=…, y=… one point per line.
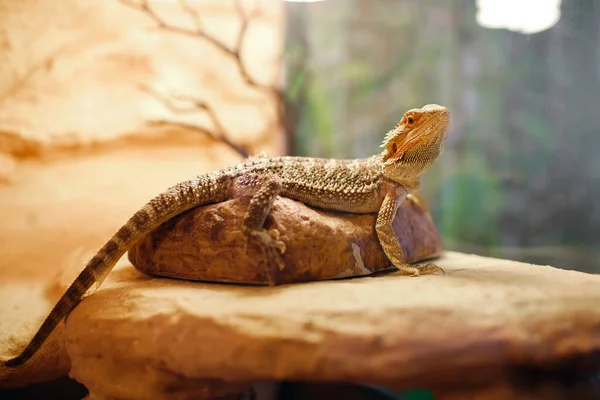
x=265, y=189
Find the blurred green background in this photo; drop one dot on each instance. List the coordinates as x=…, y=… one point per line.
x=520, y=177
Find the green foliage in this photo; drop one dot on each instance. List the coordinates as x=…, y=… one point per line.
x=521, y=165
x=296, y=85
x=317, y=124
x=417, y=395
x=470, y=209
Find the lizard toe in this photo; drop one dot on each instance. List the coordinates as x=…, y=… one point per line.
x=431, y=269
x=272, y=249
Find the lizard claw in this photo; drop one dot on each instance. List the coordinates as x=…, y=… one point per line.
x=430, y=269
x=278, y=244
x=418, y=270
x=271, y=247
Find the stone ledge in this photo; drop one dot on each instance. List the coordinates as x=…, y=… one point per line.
x=140, y=337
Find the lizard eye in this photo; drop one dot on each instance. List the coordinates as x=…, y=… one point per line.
x=410, y=120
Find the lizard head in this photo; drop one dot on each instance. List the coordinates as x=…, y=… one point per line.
x=415, y=143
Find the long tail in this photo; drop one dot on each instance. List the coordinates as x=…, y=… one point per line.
x=205, y=189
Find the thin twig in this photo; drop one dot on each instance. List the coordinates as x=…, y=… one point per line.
x=193, y=13
x=145, y=7
x=242, y=32
x=218, y=132
x=20, y=83
x=240, y=149
x=235, y=53
x=201, y=104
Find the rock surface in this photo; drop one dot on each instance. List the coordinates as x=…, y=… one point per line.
x=55, y=215
x=207, y=244
x=142, y=337
x=21, y=308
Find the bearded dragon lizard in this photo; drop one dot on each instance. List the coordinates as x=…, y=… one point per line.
x=376, y=184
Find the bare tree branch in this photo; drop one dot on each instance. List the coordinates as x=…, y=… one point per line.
x=242, y=32
x=240, y=149
x=192, y=12
x=44, y=64
x=218, y=132
x=234, y=53
x=200, y=104
x=145, y=7
x=199, y=32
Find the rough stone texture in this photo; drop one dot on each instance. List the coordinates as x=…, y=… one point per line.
x=485, y=318
x=207, y=244
x=55, y=216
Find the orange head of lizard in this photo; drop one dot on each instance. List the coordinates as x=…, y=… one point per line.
x=415, y=143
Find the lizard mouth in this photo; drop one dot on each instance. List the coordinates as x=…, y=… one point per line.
x=436, y=125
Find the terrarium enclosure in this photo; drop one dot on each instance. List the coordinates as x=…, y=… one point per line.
x=104, y=104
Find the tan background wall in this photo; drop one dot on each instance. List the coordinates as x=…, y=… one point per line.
x=72, y=70
x=77, y=156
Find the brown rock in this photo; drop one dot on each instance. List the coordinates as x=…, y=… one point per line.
x=482, y=324
x=207, y=244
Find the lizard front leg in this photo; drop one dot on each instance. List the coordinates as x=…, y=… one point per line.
x=388, y=240
x=264, y=189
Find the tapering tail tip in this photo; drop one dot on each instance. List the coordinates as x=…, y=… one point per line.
x=12, y=363
x=26, y=354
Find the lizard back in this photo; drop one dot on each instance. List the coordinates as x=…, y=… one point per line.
x=322, y=182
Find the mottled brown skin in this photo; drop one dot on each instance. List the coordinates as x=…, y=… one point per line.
x=375, y=184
